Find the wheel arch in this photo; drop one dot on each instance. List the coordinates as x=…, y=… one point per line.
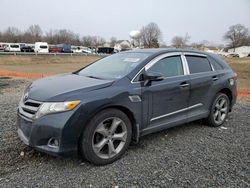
x=135, y=126
x=130, y=115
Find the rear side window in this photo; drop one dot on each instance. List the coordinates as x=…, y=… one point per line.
x=198, y=64
x=169, y=66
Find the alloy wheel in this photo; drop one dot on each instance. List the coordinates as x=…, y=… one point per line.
x=109, y=137
x=220, y=110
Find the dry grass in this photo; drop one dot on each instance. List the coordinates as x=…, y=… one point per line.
x=45, y=64
x=242, y=67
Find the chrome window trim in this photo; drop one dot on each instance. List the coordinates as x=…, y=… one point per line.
x=156, y=59
x=197, y=54
x=176, y=112
x=184, y=63
x=211, y=66
x=160, y=57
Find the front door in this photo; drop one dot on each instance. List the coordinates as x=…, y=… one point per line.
x=167, y=99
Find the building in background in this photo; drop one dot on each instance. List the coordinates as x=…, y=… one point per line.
x=122, y=45
x=242, y=51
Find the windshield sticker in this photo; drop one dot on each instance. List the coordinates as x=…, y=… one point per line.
x=133, y=60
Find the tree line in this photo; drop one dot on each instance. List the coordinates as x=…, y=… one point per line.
x=150, y=37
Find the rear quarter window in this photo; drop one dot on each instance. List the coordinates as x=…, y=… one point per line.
x=198, y=64
x=215, y=64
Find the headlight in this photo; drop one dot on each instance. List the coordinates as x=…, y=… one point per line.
x=51, y=107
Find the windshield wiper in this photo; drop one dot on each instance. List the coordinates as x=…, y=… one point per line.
x=90, y=76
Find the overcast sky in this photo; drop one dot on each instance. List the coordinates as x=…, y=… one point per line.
x=201, y=19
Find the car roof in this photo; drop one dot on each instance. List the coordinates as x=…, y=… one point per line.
x=166, y=50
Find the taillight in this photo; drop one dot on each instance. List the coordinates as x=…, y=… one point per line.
x=235, y=76
x=233, y=80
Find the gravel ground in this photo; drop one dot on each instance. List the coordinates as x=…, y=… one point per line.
x=191, y=155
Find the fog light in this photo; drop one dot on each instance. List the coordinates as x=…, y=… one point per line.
x=53, y=142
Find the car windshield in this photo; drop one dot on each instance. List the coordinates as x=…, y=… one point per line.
x=114, y=67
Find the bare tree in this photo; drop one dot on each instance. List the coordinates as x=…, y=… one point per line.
x=150, y=35
x=87, y=41
x=35, y=33
x=180, y=42
x=12, y=34
x=49, y=37
x=113, y=40
x=237, y=35
x=98, y=41
x=62, y=36
x=93, y=41
x=1, y=36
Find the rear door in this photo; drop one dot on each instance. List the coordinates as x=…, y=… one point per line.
x=202, y=80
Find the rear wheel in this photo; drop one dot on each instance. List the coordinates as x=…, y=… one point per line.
x=106, y=138
x=219, y=110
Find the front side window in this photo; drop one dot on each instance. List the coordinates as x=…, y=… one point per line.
x=198, y=64
x=169, y=66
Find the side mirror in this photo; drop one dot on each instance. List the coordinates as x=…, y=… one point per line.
x=148, y=77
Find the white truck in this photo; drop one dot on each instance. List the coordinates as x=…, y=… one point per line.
x=12, y=47
x=41, y=47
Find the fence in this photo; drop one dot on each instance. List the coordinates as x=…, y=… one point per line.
x=50, y=54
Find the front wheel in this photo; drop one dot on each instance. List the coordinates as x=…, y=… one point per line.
x=106, y=137
x=219, y=110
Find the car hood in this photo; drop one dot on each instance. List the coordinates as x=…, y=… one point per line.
x=60, y=87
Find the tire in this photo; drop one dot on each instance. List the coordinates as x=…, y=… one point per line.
x=106, y=137
x=218, y=111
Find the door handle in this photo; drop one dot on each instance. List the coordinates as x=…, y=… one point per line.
x=184, y=84
x=215, y=78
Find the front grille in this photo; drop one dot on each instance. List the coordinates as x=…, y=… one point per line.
x=29, y=108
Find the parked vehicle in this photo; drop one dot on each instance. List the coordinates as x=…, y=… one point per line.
x=12, y=48
x=41, y=47
x=80, y=49
x=86, y=50
x=105, y=50
x=99, y=109
x=55, y=49
x=76, y=49
x=2, y=46
x=27, y=49
x=66, y=48
x=233, y=55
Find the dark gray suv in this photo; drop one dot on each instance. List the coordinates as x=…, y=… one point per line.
x=98, y=110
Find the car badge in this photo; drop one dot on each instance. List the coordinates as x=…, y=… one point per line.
x=25, y=97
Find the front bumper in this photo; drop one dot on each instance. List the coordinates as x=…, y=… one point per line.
x=64, y=127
